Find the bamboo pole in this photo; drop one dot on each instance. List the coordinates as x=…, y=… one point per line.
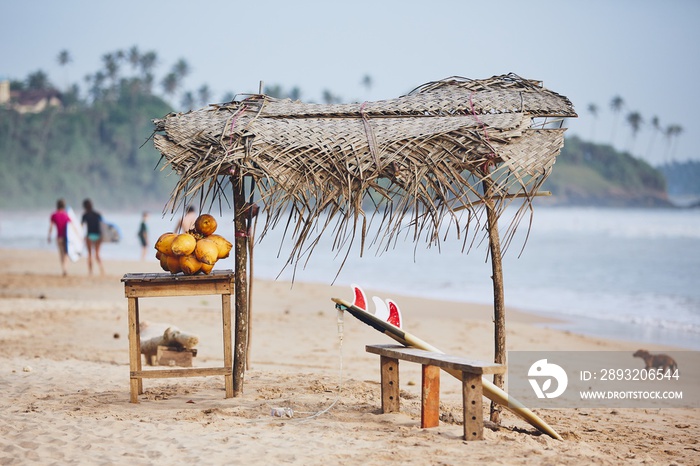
x=241, y=285
x=499, y=308
x=250, y=231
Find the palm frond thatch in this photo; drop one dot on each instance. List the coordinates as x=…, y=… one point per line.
x=447, y=146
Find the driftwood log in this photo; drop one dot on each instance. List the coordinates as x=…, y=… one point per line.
x=154, y=335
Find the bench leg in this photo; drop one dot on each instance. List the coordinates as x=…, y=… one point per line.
x=430, y=397
x=390, y=384
x=472, y=394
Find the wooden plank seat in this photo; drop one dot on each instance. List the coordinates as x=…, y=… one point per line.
x=472, y=392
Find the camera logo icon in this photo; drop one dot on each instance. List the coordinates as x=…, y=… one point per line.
x=542, y=370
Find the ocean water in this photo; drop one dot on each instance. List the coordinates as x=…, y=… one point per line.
x=622, y=273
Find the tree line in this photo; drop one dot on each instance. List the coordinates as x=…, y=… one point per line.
x=636, y=122
x=96, y=145
x=138, y=68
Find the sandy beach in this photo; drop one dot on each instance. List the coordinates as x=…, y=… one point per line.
x=64, y=377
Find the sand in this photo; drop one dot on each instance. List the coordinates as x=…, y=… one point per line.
x=64, y=378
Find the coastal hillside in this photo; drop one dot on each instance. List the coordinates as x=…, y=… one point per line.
x=598, y=175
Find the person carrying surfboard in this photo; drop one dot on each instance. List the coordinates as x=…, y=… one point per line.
x=93, y=237
x=60, y=220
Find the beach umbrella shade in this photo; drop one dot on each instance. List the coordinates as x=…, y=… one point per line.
x=422, y=161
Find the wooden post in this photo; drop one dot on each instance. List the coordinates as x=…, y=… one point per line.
x=430, y=396
x=241, y=286
x=499, y=308
x=472, y=406
x=389, y=369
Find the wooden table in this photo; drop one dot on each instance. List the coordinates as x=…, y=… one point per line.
x=143, y=285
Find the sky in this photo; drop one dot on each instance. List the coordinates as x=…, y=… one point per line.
x=646, y=52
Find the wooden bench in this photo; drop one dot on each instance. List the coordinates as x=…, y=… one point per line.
x=153, y=285
x=430, y=385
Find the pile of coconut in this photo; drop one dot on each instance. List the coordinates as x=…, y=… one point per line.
x=194, y=251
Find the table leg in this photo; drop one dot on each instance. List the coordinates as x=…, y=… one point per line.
x=134, y=349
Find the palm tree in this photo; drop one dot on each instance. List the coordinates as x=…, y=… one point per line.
x=147, y=62
x=295, y=93
x=593, y=110
x=672, y=132
x=329, y=97
x=616, y=104
x=367, y=82
x=173, y=80
x=187, y=101
x=656, y=128
x=204, y=94
x=71, y=97
x=111, y=63
x=38, y=80
x=63, y=59
x=181, y=69
x=634, y=119
x=147, y=82
x=274, y=90
x=134, y=57
x=95, y=83
x=170, y=83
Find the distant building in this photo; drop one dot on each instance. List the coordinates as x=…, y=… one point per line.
x=31, y=101
x=35, y=100
x=4, y=91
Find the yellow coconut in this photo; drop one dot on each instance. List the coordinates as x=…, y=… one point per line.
x=205, y=224
x=206, y=251
x=222, y=244
x=206, y=268
x=189, y=264
x=164, y=243
x=173, y=263
x=184, y=244
x=163, y=259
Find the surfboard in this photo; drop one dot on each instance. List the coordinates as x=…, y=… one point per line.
x=74, y=236
x=491, y=391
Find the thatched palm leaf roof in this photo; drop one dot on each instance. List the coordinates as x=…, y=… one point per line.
x=425, y=156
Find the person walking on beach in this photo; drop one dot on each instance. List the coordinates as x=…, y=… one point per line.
x=93, y=239
x=143, y=234
x=186, y=223
x=60, y=220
